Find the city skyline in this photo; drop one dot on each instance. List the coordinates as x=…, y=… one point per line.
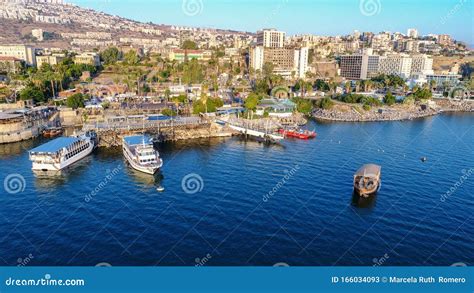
x=429, y=17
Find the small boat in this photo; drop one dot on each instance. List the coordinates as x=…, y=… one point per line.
x=52, y=132
x=300, y=134
x=62, y=152
x=140, y=154
x=367, y=180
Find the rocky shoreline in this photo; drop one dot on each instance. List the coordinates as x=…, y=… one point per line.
x=389, y=114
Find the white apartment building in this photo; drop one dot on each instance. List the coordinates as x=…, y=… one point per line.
x=22, y=52
x=412, y=33
x=256, y=57
x=301, y=61
x=396, y=64
x=271, y=38
x=421, y=64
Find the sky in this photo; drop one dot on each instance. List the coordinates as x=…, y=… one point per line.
x=320, y=17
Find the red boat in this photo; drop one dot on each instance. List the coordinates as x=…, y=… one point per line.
x=301, y=134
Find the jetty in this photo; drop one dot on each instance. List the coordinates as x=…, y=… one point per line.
x=111, y=131
x=262, y=129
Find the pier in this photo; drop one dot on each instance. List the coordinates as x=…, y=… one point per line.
x=265, y=129
x=110, y=132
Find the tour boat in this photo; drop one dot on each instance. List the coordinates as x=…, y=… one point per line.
x=301, y=134
x=61, y=152
x=140, y=154
x=367, y=180
x=52, y=132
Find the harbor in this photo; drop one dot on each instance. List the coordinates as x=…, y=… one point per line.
x=311, y=182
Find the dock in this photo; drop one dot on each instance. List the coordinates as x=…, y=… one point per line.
x=265, y=129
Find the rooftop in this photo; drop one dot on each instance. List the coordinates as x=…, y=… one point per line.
x=55, y=145
x=137, y=140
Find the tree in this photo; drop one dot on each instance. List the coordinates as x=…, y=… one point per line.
x=326, y=103
x=168, y=112
x=110, y=55
x=389, y=99
x=75, y=101
x=422, y=94
x=252, y=101
x=32, y=92
x=189, y=45
x=131, y=58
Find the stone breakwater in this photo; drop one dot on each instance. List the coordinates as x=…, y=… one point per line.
x=388, y=114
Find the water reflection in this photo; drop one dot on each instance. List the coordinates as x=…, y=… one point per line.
x=364, y=202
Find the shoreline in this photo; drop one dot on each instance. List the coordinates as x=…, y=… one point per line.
x=335, y=116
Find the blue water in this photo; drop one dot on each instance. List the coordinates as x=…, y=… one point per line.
x=310, y=219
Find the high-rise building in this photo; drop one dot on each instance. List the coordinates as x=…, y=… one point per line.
x=421, y=64
x=359, y=66
x=396, y=64
x=412, y=33
x=271, y=38
x=256, y=57
x=22, y=52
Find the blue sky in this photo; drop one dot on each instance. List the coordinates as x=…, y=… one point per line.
x=322, y=17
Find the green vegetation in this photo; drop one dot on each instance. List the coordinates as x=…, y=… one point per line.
x=303, y=106
x=389, y=99
x=168, y=112
x=207, y=105
x=384, y=80
x=189, y=45
x=422, y=94
x=252, y=101
x=32, y=92
x=325, y=103
x=75, y=101
x=110, y=55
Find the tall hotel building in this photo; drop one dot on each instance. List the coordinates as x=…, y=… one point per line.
x=359, y=66
x=271, y=38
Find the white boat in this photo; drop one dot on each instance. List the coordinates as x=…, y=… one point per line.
x=61, y=152
x=140, y=154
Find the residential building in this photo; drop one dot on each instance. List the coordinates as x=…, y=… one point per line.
x=49, y=59
x=445, y=40
x=90, y=58
x=256, y=57
x=10, y=64
x=287, y=62
x=22, y=52
x=412, y=33
x=271, y=38
x=183, y=55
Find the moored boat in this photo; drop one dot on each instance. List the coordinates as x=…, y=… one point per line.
x=300, y=134
x=62, y=152
x=139, y=152
x=52, y=132
x=367, y=180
